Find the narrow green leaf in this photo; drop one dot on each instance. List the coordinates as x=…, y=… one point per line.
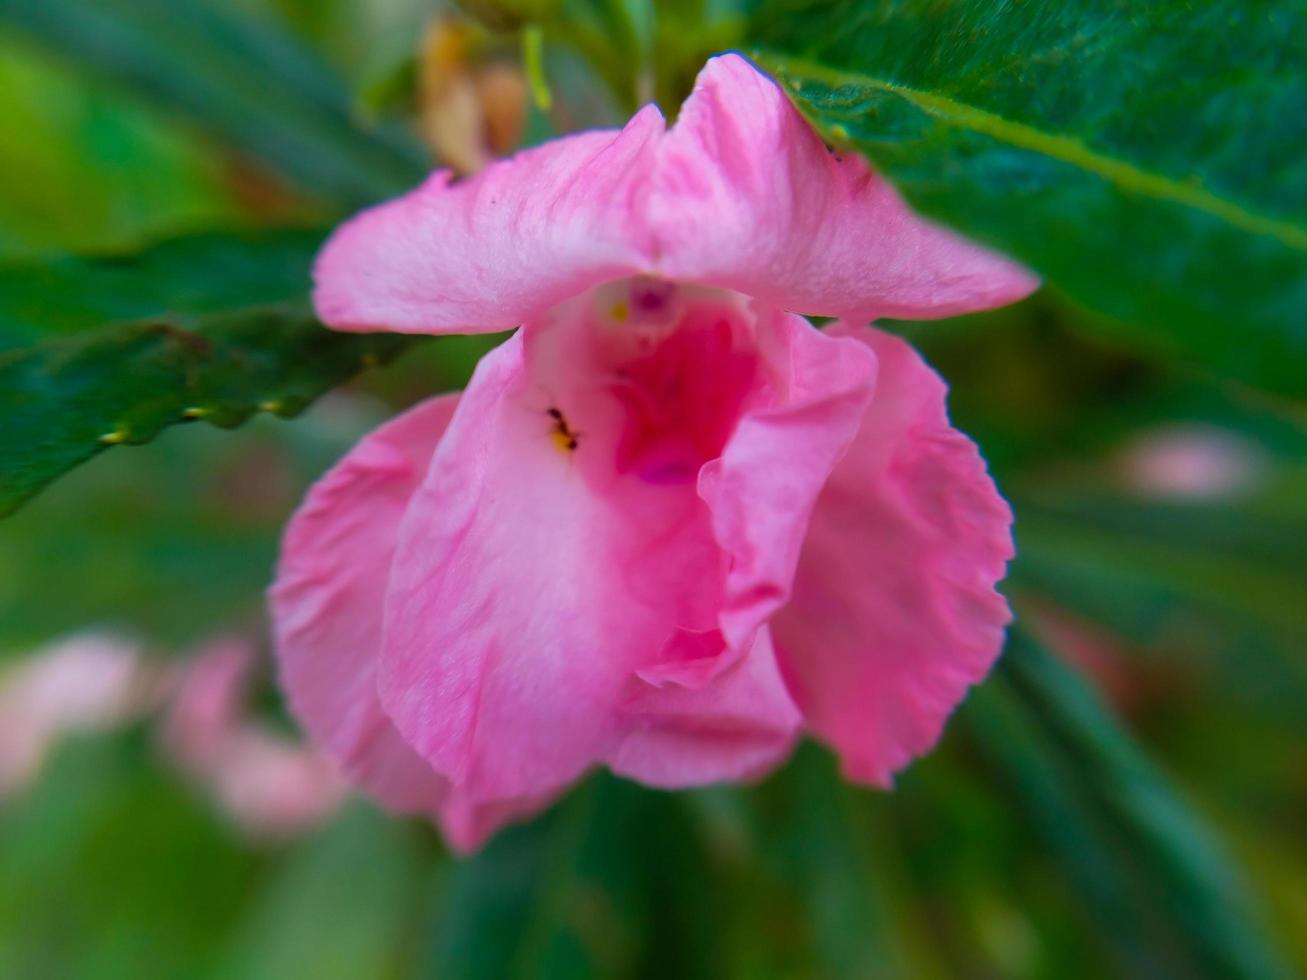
x=1140, y=852
x=67, y=399
x=498, y=902
x=1216, y=584
x=1228, y=557
x=241, y=78
x=612, y=882
x=1136, y=155
x=812, y=832
x=1049, y=795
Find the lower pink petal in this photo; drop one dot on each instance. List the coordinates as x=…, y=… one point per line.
x=500, y=664
x=327, y=612
x=736, y=724
x=894, y=610
x=554, y=589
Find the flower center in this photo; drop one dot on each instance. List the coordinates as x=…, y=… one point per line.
x=644, y=378
x=679, y=372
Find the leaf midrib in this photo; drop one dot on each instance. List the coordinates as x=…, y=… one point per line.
x=1066, y=149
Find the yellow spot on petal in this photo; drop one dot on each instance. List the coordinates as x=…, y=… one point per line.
x=620, y=311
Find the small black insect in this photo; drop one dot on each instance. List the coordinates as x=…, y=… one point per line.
x=562, y=433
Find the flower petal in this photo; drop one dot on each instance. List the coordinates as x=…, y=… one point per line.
x=762, y=488
x=894, y=611
x=539, y=577
x=746, y=196
x=327, y=613
x=497, y=664
x=488, y=252
x=735, y=725
x=327, y=602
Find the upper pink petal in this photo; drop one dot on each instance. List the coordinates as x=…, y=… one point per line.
x=747, y=196
x=488, y=252
x=894, y=610
x=741, y=193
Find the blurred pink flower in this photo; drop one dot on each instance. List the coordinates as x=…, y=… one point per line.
x=669, y=525
x=1197, y=462
x=85, y=683
x=207, y=701
x=268, y=784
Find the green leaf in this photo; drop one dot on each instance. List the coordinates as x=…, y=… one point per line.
x=1049, y=795
x=611, y=883
x=834, y=875
x=1148, y=865
x=341, y=906
x=1228, y=557
x=1214, y=584
x=111, y=869
x=196, y=274
x=195, y=517
x=1138, y=156
x=1207, y=895
x=86, y=170
x=238, y=77
x=67, y=399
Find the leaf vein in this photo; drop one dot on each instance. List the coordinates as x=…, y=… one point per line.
x=1067, y=149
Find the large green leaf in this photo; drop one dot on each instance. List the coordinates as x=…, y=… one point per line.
x=1145, y=158
x=104, y=547
x=236, y=76
x=197, y=274
x=194, y=516
x=67, y=399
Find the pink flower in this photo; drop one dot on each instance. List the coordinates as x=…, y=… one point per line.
x=669, y=525
x=1191, y=462
x=269, y=785
x=87, y=682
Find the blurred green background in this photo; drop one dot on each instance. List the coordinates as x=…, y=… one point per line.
x=1125, y=796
